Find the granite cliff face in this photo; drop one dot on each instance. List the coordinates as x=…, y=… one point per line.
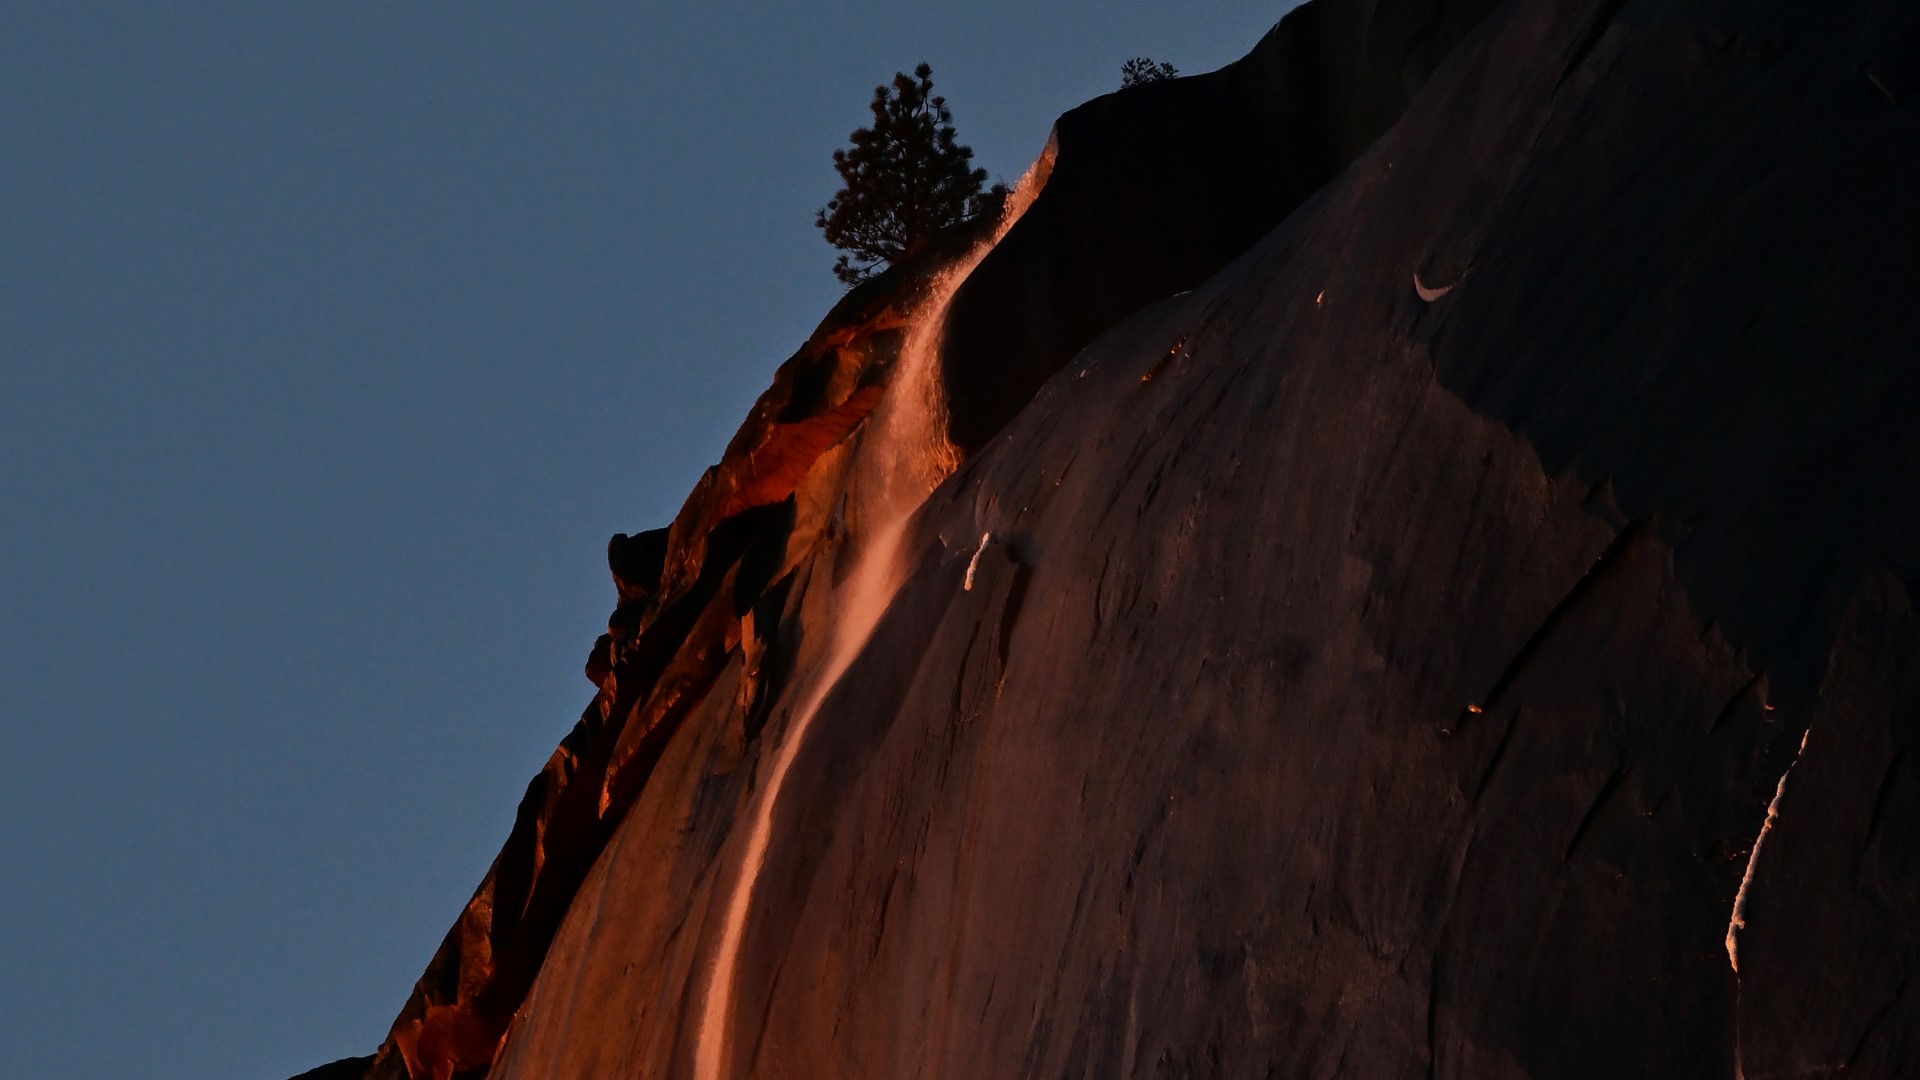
x=1419, y=583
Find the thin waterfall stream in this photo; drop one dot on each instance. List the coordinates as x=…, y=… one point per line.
x=902, y=457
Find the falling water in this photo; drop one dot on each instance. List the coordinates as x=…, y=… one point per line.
x=903, y=455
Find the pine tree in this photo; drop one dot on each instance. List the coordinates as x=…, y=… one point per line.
x=1140, y=70
x=906, y=178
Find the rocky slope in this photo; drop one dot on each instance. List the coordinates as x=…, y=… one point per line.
x=1431, y=499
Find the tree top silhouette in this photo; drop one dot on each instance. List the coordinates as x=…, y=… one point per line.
x=904, y=179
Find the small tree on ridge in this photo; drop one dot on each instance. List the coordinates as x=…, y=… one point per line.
x=1141, y=70
x=906, y=177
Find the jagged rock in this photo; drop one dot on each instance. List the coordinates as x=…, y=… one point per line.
x=637, y=563
x=682, y=593
x=1470, y=633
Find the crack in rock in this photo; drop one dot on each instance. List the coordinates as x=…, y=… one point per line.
x=1739, y=920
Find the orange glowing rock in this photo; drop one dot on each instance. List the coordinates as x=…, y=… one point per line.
x=445, y=1041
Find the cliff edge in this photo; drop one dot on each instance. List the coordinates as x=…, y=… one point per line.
x=1395, y=558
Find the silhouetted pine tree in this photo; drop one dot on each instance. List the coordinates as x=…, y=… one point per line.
x=1142, y=70
x=906, y=178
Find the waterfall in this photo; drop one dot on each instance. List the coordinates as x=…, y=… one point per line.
x=902, y=456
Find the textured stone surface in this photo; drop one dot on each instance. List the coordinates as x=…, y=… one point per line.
x=1387, y=654
x=1156, y=188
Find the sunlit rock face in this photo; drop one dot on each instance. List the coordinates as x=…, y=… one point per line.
x=1402, y=561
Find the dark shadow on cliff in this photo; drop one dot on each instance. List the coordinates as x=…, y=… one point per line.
x=1157, y=187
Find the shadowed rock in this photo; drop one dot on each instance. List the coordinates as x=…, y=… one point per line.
x=1382, y=658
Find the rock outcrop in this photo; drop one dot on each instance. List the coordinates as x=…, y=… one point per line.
x=1428, y=591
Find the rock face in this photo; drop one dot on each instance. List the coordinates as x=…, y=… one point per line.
x=1428, y=593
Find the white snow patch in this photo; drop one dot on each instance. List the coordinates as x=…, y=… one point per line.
x=974, y=563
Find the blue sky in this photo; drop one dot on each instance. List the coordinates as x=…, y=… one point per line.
x=334, y=342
